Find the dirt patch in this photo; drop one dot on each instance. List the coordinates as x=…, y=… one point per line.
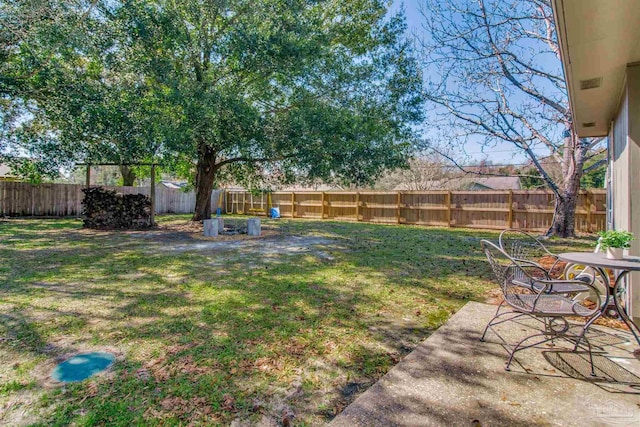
x=195, y=231
x=182, y=232
x=183, y=237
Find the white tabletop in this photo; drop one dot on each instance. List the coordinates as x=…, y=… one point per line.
x=599, y=259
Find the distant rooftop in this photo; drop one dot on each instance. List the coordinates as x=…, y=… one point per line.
x=5, y=170
x=468, y=183
x=173, y=184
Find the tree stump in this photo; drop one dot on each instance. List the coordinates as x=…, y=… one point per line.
x=210, y=228
x=253, y=226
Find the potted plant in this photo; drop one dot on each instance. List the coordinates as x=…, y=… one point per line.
x=614, y=242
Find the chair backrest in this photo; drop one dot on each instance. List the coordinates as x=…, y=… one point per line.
x=521, y=245
x=499, y=261
x=514, y=276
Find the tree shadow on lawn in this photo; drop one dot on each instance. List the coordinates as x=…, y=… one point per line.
x=243, y=332
x=210, y=344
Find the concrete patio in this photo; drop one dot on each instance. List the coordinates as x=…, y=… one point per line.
x=453, y=379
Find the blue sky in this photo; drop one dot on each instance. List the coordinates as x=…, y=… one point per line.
x=503, y=153
x=412, y=13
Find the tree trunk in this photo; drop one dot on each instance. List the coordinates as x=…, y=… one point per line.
x=564, y=216
x=128, y=176
x=573, y=158
x=564, y=219
x=205, y=173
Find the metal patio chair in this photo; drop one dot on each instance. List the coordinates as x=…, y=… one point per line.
x=525, y=288
x=520, y=245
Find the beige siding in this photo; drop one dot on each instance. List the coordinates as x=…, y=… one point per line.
x=633, y=79
x=620, y=173
x=625, y=155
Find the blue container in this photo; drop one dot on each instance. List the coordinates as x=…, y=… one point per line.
x=274, y=213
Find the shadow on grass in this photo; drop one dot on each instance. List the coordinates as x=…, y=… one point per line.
x=212, y=343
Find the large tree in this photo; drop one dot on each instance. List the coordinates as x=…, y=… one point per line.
x=295, y=88
x=289, y=88
x=34, y=37
x=494, y=75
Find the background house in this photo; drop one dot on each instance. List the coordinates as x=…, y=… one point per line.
x=5, y=173
x=467, y=183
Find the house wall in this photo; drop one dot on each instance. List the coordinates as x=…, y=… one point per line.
x=625, y=155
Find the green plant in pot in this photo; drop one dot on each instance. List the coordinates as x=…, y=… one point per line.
x=614, y=242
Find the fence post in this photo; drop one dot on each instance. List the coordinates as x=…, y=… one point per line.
x=588, y=206
x=225, y=199
x=269, y=204
x=510, y=216
x=293, y=204
x=324, y=195
x=32, y=200
x=357, y=206
x=152, y=193
x=88, y=176
x=398, y=208
x=448, y=208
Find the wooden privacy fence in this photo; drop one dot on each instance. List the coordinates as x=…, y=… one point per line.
x=525, y=209
x=24, y=199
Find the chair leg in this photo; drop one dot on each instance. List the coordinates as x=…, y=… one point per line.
x=585, y=328
x=519, y=347
x=492, y=322
x=583, y=336
x=593, y=371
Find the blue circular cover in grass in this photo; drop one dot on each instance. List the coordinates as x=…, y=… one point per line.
x=82, y=366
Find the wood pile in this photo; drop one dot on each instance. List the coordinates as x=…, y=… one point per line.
x=106, y=209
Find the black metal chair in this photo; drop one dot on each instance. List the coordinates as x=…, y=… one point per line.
x=527, y=291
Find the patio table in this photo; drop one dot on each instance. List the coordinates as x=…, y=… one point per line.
x=620, y=267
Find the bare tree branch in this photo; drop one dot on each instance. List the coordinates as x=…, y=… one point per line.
x=494, y=77
x=596, y=165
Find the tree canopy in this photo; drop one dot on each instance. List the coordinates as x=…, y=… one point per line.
x=293, y=89
x=289, y=89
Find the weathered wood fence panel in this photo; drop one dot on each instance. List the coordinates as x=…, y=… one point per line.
x=531, y=210
x=24, y=199
x=526, y=209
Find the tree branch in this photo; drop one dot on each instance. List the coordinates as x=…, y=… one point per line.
x=252, y=160
x=595, y=166
x=507, y=73
x=471, y=172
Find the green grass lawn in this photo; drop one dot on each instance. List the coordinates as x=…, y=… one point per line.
x=289, y=327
